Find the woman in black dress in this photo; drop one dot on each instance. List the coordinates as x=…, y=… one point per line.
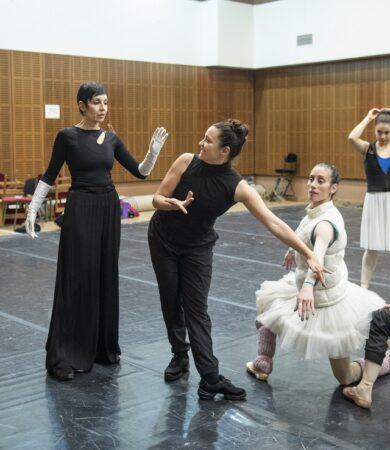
x=181, y=239
x=84, y=322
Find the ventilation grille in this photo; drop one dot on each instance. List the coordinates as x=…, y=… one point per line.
x=304, y=39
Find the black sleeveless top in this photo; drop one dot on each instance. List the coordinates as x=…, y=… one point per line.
x=214, y=186
x=377, y=180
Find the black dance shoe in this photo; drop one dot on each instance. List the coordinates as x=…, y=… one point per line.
x=224, y=386
x=178, y=366
x=61, y=373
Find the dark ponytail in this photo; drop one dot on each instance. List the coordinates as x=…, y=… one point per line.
x=232, y=134
x=383, y=117
x=335, y=177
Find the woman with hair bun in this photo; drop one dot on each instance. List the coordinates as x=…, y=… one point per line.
x=374, y=236
x=196, y=190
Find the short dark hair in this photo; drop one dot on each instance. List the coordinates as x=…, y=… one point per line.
x=383, y=117
x=232, y=134
x=88, y=90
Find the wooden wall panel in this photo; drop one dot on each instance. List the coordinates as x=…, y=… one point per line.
x=6, y=148
x=83, y=69
x=307, y=109
x=163, y=80
x=231, y=93
x=183, y=99
x=112, y=76
x=261, y=96
x=27, y=114
x=299, y=119
x=311, y=109
x=137, y=110
x=58, y=90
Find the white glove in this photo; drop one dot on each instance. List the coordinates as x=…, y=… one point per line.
x=159, y=137
x=39, y=196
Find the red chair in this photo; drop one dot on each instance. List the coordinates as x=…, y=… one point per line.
x=19, y=203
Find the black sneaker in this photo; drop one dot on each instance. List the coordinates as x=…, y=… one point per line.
x=178, y=366
x=208, y=391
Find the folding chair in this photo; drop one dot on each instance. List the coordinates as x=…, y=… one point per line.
x=283, y=185
x=17, y=210
x=12, y=202
x=61, y=189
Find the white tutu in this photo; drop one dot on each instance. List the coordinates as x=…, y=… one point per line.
x=374, y=230
x=334, y=331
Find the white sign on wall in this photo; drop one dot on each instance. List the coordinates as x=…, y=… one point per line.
x=52, y=111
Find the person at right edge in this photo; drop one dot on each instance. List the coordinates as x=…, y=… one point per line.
x=374, y=231
x=196, y=190
x=376, y=361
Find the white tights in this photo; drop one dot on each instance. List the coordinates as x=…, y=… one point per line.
x=370, y=258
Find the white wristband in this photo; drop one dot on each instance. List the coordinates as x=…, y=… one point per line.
x=311, y=276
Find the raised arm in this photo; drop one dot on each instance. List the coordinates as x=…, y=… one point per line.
x=354, y=136
x=255, y=205
x=162, y=198
x=323, y=236
x=157, y=142
x=143, y=169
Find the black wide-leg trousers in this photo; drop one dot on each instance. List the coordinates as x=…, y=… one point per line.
x=184, y=277
x=85, y=317
x=376, y=344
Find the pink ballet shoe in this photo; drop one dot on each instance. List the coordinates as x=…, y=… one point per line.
x=250, y=367
x=355, y=394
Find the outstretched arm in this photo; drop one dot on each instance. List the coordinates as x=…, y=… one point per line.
x=323, y=236
x=355, y=135
x=251, y=199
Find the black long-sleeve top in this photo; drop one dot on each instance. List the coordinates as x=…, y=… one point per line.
x=89, y=162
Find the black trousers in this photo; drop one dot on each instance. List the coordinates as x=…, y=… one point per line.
x=85, y=317
x=376, y=344
x=184, y=277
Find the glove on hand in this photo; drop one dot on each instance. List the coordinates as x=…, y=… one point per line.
x=159, y=137
x=39, y=196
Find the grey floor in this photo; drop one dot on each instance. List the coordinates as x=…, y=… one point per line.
x=130, y=406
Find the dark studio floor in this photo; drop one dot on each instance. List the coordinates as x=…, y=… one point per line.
x=130, y=406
